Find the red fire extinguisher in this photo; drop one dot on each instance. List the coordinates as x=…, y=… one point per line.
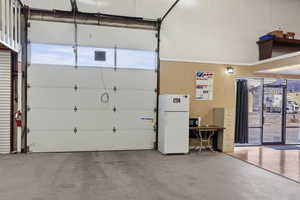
x=18, y=118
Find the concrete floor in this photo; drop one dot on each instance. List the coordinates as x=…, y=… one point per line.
x=138, y=175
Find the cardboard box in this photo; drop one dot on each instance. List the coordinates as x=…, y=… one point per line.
x=277, y=33
x=290, y=35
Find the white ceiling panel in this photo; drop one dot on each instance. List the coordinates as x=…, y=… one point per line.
x=152, y=9
x=49, y=4
x=117, y=7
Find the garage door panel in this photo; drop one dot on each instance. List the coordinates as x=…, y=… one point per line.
x=51, y=76
x=91, y=141
x=68, y=141
x=139, y=79
x=133, y=120
x=50, y=119
x=51, y=97
x=93, y=120
x=134, y=100
x=137, y=139
x=95, y=77
x=51, y=32
x=121, y=99
x=91, y=99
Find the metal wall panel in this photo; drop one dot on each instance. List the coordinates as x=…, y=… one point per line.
x=5, y=101
x=62, y=118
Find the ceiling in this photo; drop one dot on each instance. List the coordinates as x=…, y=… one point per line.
x=151, y=9
x=288, y=70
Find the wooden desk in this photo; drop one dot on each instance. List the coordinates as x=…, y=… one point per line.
x=208, y=138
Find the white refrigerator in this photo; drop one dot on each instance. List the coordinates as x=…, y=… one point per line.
x=173, y=130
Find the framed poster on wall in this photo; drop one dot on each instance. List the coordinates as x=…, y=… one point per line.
x=204, y=86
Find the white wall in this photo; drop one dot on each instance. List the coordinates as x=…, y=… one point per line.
x=202, y=30
x=224, y=30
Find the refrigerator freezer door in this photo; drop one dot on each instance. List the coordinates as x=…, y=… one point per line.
x=173, y=103
x=174, y=133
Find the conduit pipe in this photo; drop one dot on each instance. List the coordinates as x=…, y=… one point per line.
x=90, y=19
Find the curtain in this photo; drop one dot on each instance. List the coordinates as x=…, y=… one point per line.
x=241, y=125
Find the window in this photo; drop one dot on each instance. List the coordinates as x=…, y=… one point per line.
x=139, y=59
x=254, y=110
x=52, y=54
x=110, y=57
x=293, y=112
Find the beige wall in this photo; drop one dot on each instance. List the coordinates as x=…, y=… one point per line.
x=295, y=60
x=180, y=78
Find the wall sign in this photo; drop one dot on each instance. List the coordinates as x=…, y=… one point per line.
x=204, y=86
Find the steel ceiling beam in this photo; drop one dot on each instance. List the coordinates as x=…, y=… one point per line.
x=90, y=18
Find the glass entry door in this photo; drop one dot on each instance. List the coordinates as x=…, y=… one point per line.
x=273, y=115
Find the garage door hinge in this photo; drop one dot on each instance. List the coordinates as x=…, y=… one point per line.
x=115, y=109
x=155, y=90
x=155, y=110
x=28, y=108
x=114, y=129
x=75, y=130
x=28, y=130
x=75, y=109
x=115, y=88
x=28, y=85
x=75, y=87
x=155, y=128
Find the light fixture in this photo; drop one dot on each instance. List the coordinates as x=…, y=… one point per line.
x=230, y=70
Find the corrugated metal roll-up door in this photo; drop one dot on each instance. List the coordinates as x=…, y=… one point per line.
x=5, y=101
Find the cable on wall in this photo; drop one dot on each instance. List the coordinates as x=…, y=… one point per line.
x=75, y=47
x=170, y=9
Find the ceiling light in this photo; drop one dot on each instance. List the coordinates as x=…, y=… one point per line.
x=230, y=70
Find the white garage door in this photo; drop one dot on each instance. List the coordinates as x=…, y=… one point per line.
x=66, y=111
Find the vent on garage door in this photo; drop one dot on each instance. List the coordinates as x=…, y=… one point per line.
x=5, y=101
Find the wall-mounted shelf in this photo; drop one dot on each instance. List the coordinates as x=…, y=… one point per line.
x=266, y=47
